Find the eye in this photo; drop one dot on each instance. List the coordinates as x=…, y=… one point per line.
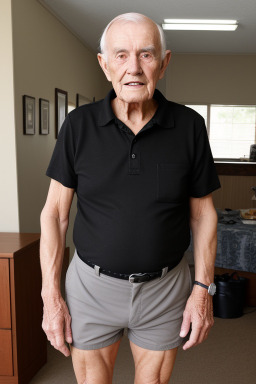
x=121, y=56
x=146, y=56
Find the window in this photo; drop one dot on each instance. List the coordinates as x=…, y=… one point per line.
x=231, y=129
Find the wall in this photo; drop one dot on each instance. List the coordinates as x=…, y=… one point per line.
x=46, y=55
x=9, y=219
x=224, y=79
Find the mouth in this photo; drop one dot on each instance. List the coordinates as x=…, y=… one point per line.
x=134, y=84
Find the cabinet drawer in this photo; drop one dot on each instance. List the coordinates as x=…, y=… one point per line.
x=5, y=309
x=6, y=362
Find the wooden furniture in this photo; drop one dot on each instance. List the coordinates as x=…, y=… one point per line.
x=236, y=168
x=23, y=344
x=22, y=340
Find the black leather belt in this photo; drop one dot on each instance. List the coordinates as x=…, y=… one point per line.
x=134, y=277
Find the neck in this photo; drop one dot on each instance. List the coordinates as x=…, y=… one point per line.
x=134, y=113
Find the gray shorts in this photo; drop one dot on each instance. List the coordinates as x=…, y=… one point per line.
x=101, y=307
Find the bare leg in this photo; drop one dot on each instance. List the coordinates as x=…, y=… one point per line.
x=152, y=367
x=94, y=366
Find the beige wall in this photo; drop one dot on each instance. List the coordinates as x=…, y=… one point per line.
x=224, y=79
x=9, y=220
x=46, y=55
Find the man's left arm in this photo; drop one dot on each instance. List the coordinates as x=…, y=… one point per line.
x=199, y=309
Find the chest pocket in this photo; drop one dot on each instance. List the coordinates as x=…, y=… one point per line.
x=172, y=182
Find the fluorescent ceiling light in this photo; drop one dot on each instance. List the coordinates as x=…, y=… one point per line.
x=198, y=21
x=194, y=24
x=199, y=27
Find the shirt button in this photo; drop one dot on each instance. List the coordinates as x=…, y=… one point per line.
x=133, y=156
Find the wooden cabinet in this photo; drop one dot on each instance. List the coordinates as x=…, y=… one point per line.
x=22, y=340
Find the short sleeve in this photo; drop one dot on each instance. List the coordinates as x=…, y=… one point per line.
x=61, y=167
x=204, y=178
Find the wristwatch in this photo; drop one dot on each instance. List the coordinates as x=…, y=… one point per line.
x=211, y=288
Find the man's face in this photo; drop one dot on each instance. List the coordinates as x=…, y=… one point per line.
x=133, y=60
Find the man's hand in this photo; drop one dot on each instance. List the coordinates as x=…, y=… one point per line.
x=198, y=313
x=56, y=323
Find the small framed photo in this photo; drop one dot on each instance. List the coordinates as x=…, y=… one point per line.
x=61, y=108
x=29, y=107
x=44, y=108
x=81, y=100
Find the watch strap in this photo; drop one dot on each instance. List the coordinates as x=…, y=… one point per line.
x=201, y=284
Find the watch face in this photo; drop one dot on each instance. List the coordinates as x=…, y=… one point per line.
x=212, y=289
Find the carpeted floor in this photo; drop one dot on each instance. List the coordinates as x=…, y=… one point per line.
x=228, y=356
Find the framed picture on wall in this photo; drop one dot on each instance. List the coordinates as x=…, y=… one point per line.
x=81, y=100
x=44, y=109
x=29, y=107
x=61, y=108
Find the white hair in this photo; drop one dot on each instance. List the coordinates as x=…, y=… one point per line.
x=135, y=18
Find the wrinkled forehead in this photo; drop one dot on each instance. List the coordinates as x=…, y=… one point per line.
x=134, y=32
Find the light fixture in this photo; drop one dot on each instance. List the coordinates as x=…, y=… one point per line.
x=199, y=25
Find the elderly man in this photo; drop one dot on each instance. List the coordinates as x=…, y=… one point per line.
x=143, y=172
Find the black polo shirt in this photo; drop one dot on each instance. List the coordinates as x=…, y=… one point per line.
x=133, y=190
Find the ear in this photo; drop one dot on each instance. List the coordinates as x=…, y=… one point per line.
x=104, y=65
x=165, y=63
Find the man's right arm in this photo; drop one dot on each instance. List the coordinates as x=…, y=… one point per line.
x=54, y=223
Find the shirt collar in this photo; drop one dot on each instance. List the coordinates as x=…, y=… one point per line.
x=163, y=116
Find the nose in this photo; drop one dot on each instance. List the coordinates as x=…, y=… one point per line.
x=134, y=67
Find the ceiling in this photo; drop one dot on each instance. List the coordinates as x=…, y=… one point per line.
x=87, y=19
